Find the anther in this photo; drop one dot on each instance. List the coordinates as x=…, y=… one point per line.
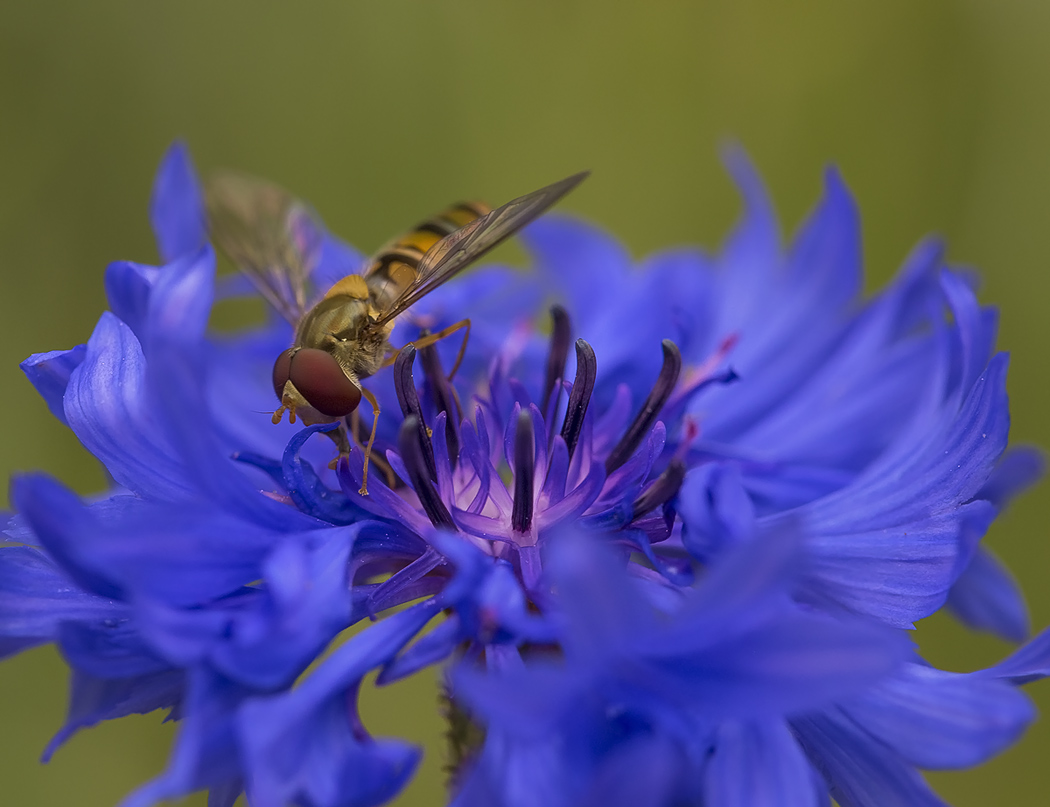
x=408, y=399
x=643, y=421
x=580, y=395
x=662, y=490
x=443, y=397
x=524, y=468
x=561, y=333
x=412, y=456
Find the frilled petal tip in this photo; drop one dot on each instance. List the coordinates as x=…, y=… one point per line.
x=308, y=746
x=177, y=205
x=49, y=373
x=94, y=699
x=37, y=598
x=1031, y=662
x=986, y=597
x=941, y=720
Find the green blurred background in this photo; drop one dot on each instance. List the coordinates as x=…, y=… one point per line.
x=937, y=112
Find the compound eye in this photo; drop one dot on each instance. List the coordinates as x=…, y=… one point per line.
x=322, y=382
x=282, y=369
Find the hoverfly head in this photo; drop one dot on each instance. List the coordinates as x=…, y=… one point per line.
x=314, y=376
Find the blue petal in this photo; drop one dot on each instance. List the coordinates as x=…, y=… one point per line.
x=192, y=555
x=897, y=574
x=54, y=513
x=305, y=745
x=111, y=649
x=986, y=597
x=936, y=719
x=758, y=763
x=825, y=260
x=752, y=252
x=49, y=373
x=872, y=376
x=891, y=544
x=307, y=490
x=180, y=302
x=128, y=289
x=434, y=647
x=860, y=771
x=974, y=334
x=641, y=772
x=579, y=258
x=1019, y=469
x=1029, y=663
x=511, y=773
x=176, y=386
x=796, y=318
x=177, y=205
x=206, y=752
x=268, y=639
x=108, y=406
x=36, y=597
x=794, y=664
x=226, y=793
x=716, y=510
x=93, y=700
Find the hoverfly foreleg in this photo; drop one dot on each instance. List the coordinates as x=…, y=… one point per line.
x=368, y=396
x=342, y=444
x=352, y=424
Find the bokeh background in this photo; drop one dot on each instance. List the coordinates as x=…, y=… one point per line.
x=938, y=114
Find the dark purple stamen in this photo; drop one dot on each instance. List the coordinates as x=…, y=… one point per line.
x=580, y=396
x=524, y=467
x=561, y=333
x=643, y=421
x=408, y=398
x=443, y=398
x=412, y=456
x=662, y=490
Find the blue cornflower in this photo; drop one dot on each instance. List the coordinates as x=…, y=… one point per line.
x=722, y=411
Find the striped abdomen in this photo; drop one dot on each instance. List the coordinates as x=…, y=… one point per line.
x=394, y=267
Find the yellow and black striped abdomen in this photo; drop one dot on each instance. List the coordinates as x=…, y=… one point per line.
x=393, y=268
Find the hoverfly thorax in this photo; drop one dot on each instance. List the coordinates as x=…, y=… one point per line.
x=343, y=338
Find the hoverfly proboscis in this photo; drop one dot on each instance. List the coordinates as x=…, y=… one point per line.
x=343, y=337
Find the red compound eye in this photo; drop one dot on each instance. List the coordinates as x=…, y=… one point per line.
x=322, y=382
x=282, y=368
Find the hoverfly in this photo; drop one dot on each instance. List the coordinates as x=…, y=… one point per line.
x=343, y=337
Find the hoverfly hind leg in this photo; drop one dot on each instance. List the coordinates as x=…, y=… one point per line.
x=432, y=338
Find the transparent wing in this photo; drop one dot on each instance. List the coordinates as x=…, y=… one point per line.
x=456, y=251
x=268, y=234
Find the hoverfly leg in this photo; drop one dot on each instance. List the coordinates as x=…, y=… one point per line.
x=342, y=444
x=354, y=427
x=368, y=396
x=433, y=338
x=389, y=360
